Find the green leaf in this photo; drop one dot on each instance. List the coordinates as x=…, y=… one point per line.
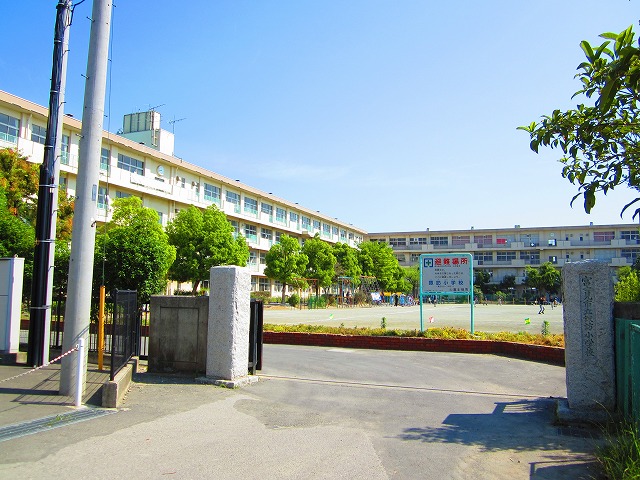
x=588, y=51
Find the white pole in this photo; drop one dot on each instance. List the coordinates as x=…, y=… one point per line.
x=83, y=236
x=79, y=382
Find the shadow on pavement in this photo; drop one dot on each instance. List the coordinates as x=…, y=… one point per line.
x=508, y=427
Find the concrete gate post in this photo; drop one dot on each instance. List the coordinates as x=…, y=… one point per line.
x=228, y=330
x=589, y=342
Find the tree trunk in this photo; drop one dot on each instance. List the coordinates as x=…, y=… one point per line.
x=284, y=289
x=196, y=284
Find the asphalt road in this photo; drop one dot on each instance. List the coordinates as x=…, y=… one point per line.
x=487, y=318
x=325, y=413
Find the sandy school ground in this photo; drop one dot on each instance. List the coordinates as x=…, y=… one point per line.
x=487, y=318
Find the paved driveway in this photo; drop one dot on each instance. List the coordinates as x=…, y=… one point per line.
x=326, y=413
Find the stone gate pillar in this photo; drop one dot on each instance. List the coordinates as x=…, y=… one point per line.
x=589, y=341
x=228, y=329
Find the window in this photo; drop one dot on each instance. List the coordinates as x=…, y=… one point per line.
x=334, y=231
x=552, y=242
x=316, y=224
x=266, y=233
x=64, y=150
x=254, y=283
x=483, y=240
x=212, y=193
x=233, y=198
x=415, y=257
x=631, y=254
x=250, y=206
x=505, y=256
x=250, y=232
x=553, y=259
x=105, y=154
x=236, y=228
x=418, y=241
x=483, y=257
x=397, y=241
x=277, y=286
x=263, y=258
x=120, y=194
x=9, y=128
x=267, y=209
x=38, y=134
x=264, y=285
x=306, y=222
x=253, y=257
x=278, y=234
x=293, y=217
x=350, y=236
x=343, y=234
x=326, y=229
x=400, y=257
x=460, y=239
x=629, y=235
x=160, y=217
x=603, y=236
x=63, y=182
x=441, y=241
x=530, y=257
x=130, y=164
x=281, y=215
x=102, y=198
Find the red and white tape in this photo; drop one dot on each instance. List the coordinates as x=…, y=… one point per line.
x=74, y=349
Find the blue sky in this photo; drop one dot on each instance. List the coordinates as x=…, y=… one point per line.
x=390, y=115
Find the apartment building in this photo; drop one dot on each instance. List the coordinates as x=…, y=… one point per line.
x=506, y=251
x=139, y=161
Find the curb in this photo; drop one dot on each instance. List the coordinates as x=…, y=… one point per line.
x=537, y=353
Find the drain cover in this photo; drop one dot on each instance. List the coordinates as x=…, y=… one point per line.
x=16, y=430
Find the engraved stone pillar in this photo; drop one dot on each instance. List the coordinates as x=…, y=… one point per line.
x=589, y=341
x=228, y=329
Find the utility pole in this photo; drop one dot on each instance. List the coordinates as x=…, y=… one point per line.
x=78, y=307
x=41, y=291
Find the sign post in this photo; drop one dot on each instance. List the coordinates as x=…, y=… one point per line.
x=446, y=274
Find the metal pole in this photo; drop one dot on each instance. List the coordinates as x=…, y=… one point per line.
x=38, y=347
x=78, y=307
x=101, y=328
x=80, y=363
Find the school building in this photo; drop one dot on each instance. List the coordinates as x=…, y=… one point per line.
x=140, y=161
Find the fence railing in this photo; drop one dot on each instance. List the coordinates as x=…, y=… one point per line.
x=125, y=329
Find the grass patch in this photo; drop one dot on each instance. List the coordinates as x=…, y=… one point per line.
x=448, y=333
x=620, y=456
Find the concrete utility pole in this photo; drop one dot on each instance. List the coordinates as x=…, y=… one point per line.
x=42, y=288
x=78, y=308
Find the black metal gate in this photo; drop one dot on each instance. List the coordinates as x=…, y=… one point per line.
x=125, y=331
x=255, y=336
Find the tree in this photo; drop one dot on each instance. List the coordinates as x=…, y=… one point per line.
x=17, y=237
x=481, y=279
x=203, y=239
x=412, y=276
x=320, y=262
x=347, y=264
x=134, y=252
x=544, y=279
x=377, y=260
x=285, y=262
x=599, y=142
x=627, y=289
x=19, y=178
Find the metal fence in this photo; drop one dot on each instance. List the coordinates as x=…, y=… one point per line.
x=627, y=333
x=125, y=329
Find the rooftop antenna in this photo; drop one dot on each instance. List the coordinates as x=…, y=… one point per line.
x=173, y=124
x=153, y=109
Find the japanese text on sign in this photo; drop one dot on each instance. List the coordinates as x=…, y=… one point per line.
x=446, y=274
